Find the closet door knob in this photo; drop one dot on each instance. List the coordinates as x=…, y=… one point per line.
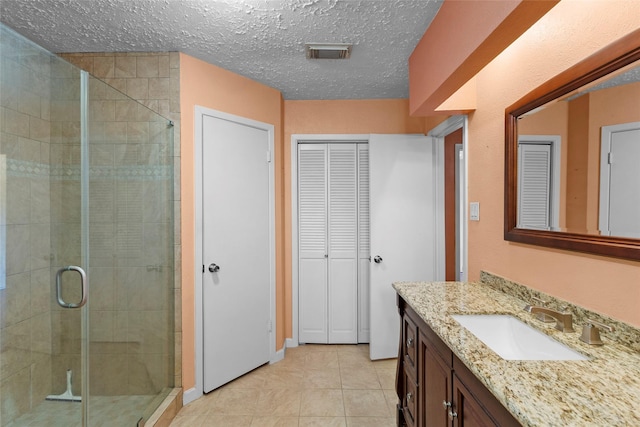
x=377, y=259
x=214, y=268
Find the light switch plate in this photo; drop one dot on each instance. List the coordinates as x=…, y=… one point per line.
x=474, y=211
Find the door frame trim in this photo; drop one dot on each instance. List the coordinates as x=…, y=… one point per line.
x=295, y=140
x=448, y=126
x=192, y=394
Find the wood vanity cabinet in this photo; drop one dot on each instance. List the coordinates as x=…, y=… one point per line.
x=435, y=389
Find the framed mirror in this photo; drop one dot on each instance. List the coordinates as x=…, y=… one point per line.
x=572, y=157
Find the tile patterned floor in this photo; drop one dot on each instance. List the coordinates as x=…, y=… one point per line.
x=314, y=386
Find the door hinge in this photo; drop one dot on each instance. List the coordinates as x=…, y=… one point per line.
x=269, y=326
x=268, y=156
x=610, y=158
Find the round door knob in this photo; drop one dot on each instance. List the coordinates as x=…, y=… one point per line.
x=377, y=259
x=214, y=268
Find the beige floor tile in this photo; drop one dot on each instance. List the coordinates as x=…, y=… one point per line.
x=322, y=360
x=322, y=422
x=199, y=406
x=227, y=421
x=363, y=403
x=371, y=422
x=278, y=378
x=254, y=379
x=279, y=402
x=321, y=403
x=322, y=378
x=316, y=348
x=232, y=401
x=385, y=364
x=188, y=420
x=359, y=379
x=315, y=385
x=354, y=359
x=387, y=378
x=392, y=401
x=353, y=349
x=274, y=422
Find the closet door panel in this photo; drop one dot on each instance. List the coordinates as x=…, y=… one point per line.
x=312, y=243
x=343, y=319
x=363, y=243
x=313, y=301
x=343, y=243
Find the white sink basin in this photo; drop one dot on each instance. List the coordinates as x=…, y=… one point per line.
x=513, y=339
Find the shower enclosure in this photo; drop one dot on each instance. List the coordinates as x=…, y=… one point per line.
x=86, y=246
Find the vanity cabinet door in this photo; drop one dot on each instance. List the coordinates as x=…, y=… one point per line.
x=468, y=411
x=436, y=385
x=474, y=405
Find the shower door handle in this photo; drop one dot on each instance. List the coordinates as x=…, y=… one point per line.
x=83, y=283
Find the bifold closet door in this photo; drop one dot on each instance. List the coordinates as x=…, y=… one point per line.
x=343, y=244
x=312, y=243
x=328, y=243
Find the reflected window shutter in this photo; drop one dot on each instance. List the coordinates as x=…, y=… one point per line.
x=534, y=184
x=312, y=197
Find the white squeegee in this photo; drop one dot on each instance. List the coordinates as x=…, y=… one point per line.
x=67, y=396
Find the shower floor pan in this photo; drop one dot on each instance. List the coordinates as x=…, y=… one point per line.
x=103, y=411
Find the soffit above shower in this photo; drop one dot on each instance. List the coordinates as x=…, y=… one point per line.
x=260, y=39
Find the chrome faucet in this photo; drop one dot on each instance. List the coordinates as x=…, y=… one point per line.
x=564, y=320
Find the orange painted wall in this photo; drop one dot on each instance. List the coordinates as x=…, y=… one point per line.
x=213, y=87
x=336, y=117
x=568, y=33
x=468, y=35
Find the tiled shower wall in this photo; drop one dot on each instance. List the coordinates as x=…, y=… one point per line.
x=25, y=310
x=153, y=80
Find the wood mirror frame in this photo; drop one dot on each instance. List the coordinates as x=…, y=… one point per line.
x=611, y=58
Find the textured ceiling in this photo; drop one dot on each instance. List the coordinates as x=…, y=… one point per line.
x=260, y=39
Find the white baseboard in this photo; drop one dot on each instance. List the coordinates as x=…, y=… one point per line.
x=190, y=395
x=290, y=343
x=278, y=356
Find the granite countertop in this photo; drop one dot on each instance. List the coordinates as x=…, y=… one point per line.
x=602, y=391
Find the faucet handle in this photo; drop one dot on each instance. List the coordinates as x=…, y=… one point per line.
x=591, y=332
x=541, y=316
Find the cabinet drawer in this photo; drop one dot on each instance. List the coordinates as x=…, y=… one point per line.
x=410, y=401
x=410, y=345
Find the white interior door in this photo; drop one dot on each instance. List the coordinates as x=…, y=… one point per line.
x=620, y=177
x=402, y=215
x=236, y=249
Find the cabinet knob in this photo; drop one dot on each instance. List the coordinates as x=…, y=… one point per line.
x=409, y=342
x=446, y=405
x=452, y=415
x=409, y=397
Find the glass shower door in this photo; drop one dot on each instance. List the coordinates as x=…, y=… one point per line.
x=69, y=160
x=86, y=246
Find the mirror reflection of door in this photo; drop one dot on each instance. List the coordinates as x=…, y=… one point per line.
x=620, y=180
x=538, y=182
